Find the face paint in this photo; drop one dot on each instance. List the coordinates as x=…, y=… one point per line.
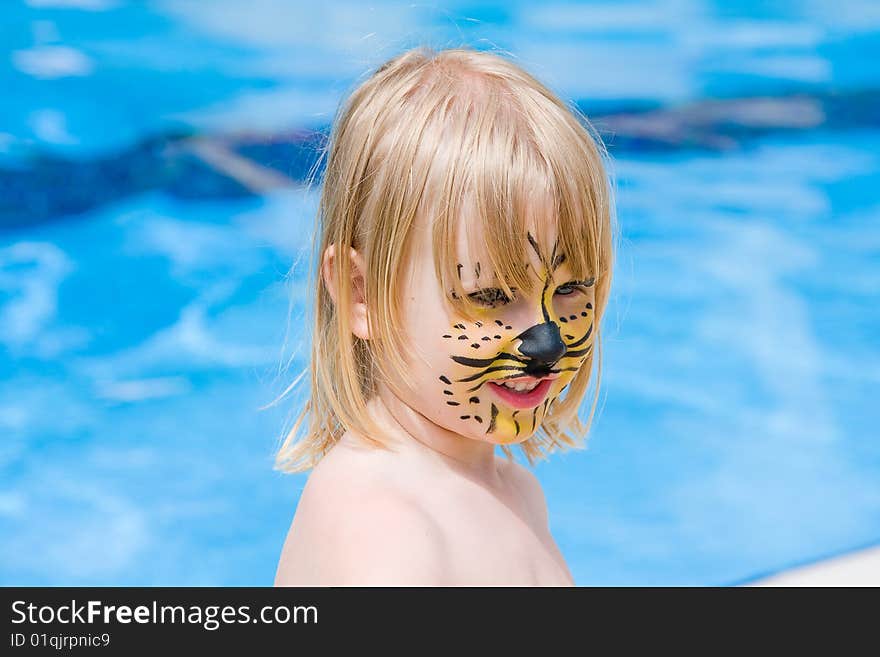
x=548, y=354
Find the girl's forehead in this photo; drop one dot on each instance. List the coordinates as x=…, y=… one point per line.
x=472, y=255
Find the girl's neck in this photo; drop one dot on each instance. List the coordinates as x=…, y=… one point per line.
x=412, y=431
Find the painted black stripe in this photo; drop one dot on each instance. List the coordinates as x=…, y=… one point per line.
x=580, y=352
x=535, y=247
x=483, y=362
x=583, y=339
x=492, y=421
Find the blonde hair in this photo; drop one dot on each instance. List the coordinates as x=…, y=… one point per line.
x=434, y=134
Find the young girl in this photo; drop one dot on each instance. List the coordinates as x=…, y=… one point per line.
x=465, y=264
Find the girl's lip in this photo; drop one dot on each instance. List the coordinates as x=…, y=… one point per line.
x=523, y=399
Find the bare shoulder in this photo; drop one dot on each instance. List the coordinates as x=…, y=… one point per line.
x=528, y=486
x=354, y=527
x=385, y=538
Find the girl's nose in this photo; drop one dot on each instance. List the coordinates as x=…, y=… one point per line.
x=542, y=343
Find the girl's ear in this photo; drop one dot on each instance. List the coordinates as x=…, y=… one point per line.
x=357, y=310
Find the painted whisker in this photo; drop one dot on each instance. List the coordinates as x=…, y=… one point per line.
x=483, y=362
x=583, y=339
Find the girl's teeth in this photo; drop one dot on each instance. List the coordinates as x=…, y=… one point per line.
x=521, y=387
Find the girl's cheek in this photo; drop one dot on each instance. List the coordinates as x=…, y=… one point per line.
x=486, y=335
x=473, y=350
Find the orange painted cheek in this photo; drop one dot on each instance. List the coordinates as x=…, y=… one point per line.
x=576, y=328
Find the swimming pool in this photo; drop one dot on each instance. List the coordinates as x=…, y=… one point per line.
x=151, y=156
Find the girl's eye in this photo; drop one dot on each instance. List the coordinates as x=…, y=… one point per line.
x=490, y=296
x=573, y=286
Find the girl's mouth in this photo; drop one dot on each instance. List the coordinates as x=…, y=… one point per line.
x=524, y=399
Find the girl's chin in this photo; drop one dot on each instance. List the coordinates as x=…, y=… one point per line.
x=505, y=440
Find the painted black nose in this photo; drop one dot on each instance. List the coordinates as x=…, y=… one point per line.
x=542, y=343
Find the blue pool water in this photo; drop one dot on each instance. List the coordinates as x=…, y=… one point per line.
x=144, y=305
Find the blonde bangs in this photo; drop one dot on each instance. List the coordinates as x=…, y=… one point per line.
x=514, y=165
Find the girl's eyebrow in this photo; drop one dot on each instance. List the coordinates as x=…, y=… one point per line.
x=470, y=275
x=490, y=287
x=493, y=283
x=489, y=280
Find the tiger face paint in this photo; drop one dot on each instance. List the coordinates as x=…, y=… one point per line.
x=454, y=365
x=506, y=370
